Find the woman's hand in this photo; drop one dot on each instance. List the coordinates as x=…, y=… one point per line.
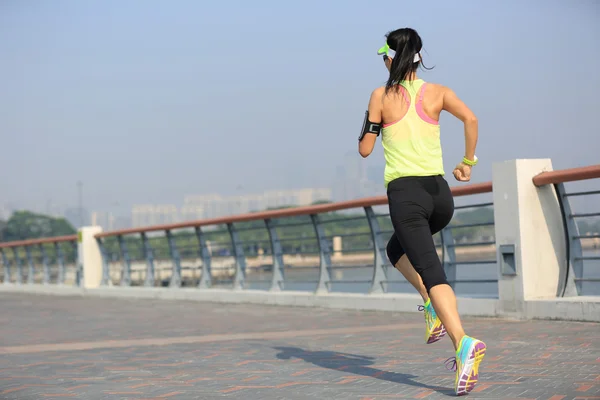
x=462, y=172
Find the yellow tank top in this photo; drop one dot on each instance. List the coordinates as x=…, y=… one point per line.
x=412, y=144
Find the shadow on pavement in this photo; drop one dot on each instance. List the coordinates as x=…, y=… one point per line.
x=354, y=364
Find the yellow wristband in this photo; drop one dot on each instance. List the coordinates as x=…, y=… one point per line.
x=469, y=162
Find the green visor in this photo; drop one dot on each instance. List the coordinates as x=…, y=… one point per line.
x=385, y=50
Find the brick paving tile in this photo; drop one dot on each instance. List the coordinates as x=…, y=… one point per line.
x=89, y=348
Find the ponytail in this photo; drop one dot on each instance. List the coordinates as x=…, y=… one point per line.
x=407, y=45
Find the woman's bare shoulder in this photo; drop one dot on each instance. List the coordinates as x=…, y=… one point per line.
x=378, y=92
x=437, y=87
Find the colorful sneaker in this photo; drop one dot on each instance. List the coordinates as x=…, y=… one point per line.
x=469, y=355
x=434, y=329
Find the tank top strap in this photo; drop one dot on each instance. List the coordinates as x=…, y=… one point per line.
x=413, y=88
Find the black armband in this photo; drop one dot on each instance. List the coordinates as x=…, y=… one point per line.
x=369, y=127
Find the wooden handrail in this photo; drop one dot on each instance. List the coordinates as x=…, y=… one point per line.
x=31, y=242
x=567, y=175
x=466, y=190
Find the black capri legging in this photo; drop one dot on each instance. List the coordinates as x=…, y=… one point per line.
x=419, y=208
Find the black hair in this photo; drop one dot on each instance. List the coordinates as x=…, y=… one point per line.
x=406, y=42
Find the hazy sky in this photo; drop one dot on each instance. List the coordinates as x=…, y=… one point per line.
x=147, y=101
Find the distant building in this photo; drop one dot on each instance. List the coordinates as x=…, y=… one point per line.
x=104, y=219
x=151, y=214
x=215, y=205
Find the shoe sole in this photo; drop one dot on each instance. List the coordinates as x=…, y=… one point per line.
x=468, y=377
x=437, y=334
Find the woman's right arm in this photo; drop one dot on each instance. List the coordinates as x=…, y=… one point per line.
x=456, y=107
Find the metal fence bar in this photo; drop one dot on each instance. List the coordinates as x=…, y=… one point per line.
x=299, y=239
x=379, y=280
x=474, y=225
x=240, y=258
x=45, y=264
x=277, y=277
x=6, y=267
x=472, y=244
x=331, y=220
x=475, y=281
x=19, y=266
x=473, y=262
x=568, y=285
x=176, y=269
x=31, y=267
x=596, y=236
x=591, y=192
x=205, y=278
x=585, y=215
x=480, y=205
x=105, y=263
x=126, y=272
x=292, y=224
x=149, y=281
x=324, y=255
x=60, y=260
x=79, y=265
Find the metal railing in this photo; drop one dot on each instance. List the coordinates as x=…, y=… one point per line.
x=316, y=248
x=583, y=249
x=57, y=257
x=286, y=249
x=326, y=247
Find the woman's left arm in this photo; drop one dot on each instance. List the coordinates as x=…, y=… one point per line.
x=367, y=141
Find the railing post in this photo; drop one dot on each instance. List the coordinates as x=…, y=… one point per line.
x=449, y=255
x=6, y=267
x=126, y=275
x=205, y=278
x=45, y=264
x=105, y=281
x=240, y=258
x=379, y=282
x=19, y=266
x=530, y=236
x=149, y=260
x=60, y=260
x=568, y=285
x=31, y=268
x=325, y=256
x=176, y=274
x=277, y=279
x=79, y=274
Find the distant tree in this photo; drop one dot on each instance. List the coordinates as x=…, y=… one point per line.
x=2, y=226
x=23, y=225
x=321, y=202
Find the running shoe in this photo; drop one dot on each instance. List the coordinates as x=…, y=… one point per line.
x=434, y=329
x=469, y=355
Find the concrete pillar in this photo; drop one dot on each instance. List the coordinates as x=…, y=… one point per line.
x=337, y=247
x=530, y=238
x=89, y=256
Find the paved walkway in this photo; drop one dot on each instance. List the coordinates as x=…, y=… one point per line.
x=91, y=348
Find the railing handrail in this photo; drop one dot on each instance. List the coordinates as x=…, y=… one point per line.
x=31, y=242
x=465, y=190
x=567, y=175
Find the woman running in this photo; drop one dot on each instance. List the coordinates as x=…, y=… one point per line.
x=406, y=112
